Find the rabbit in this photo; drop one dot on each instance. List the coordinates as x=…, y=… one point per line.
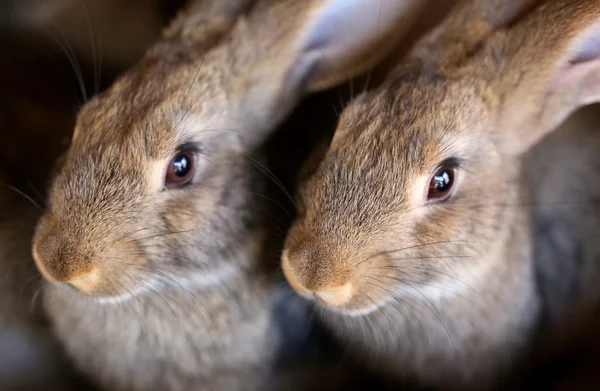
x=153, y=241
x=414, y=234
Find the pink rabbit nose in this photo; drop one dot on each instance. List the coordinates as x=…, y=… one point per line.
x=328, y=285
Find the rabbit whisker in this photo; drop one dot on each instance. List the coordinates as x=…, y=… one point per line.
x=411, y=283
x=429, y=270
x=187, y=292
x=387, y=252
x=135, y=288
x=38, y=194
x=427, y=303
x=125, y=236
x=95, y=57
x=28, y=198
x=429, y=257
x=39, y=48
x=401, y=308
x=31, y=277
x=34, y=299
x=160, y=235
x=63, y=43
x=271, y=176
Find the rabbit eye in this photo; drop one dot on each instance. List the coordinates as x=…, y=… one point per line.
x=181, y=169
x=441, y=184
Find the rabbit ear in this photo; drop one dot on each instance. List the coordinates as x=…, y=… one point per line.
x=540, y=59
x=470, y=23
x=554, y=68
x=310, y=45
x=343, y=38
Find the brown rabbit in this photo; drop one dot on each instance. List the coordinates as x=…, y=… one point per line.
x=414, y=232
x=152, y=243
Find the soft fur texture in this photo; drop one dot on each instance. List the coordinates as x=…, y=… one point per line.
x=173, y=290
x=444, y=292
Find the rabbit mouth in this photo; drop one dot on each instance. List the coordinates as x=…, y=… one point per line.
x=103, y=290
x=96, y=288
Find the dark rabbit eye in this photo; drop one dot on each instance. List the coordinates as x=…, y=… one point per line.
x=441, y=183
x=181, y=169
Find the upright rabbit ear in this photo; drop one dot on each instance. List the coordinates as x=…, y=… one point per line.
x=553, y=67
x=343, y=38
x=310, y=45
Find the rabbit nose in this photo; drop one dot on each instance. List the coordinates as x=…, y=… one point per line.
x=62, y=263
x=328, y=285
x=336, y=296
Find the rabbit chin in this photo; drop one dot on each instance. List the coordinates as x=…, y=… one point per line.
x=431, y=293
x=189, y=282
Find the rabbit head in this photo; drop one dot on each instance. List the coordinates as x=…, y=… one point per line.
x=409, y=222
x=157, y=176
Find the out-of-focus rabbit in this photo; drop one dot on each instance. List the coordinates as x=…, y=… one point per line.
x=152, y=242
x=414, y=233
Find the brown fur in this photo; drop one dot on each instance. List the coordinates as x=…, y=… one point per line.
x=445, y=293
x=191, y=293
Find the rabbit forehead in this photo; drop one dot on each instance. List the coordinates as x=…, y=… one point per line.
x=387, y=142
x=146, y=109
x=411, y=124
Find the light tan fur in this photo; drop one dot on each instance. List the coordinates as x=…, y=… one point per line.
x=445, y=293
x=152, y=289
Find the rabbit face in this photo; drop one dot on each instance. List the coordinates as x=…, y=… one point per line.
x=148, y=190
x=411, y=200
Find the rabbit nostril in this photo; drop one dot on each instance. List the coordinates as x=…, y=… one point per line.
x=336, y=296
